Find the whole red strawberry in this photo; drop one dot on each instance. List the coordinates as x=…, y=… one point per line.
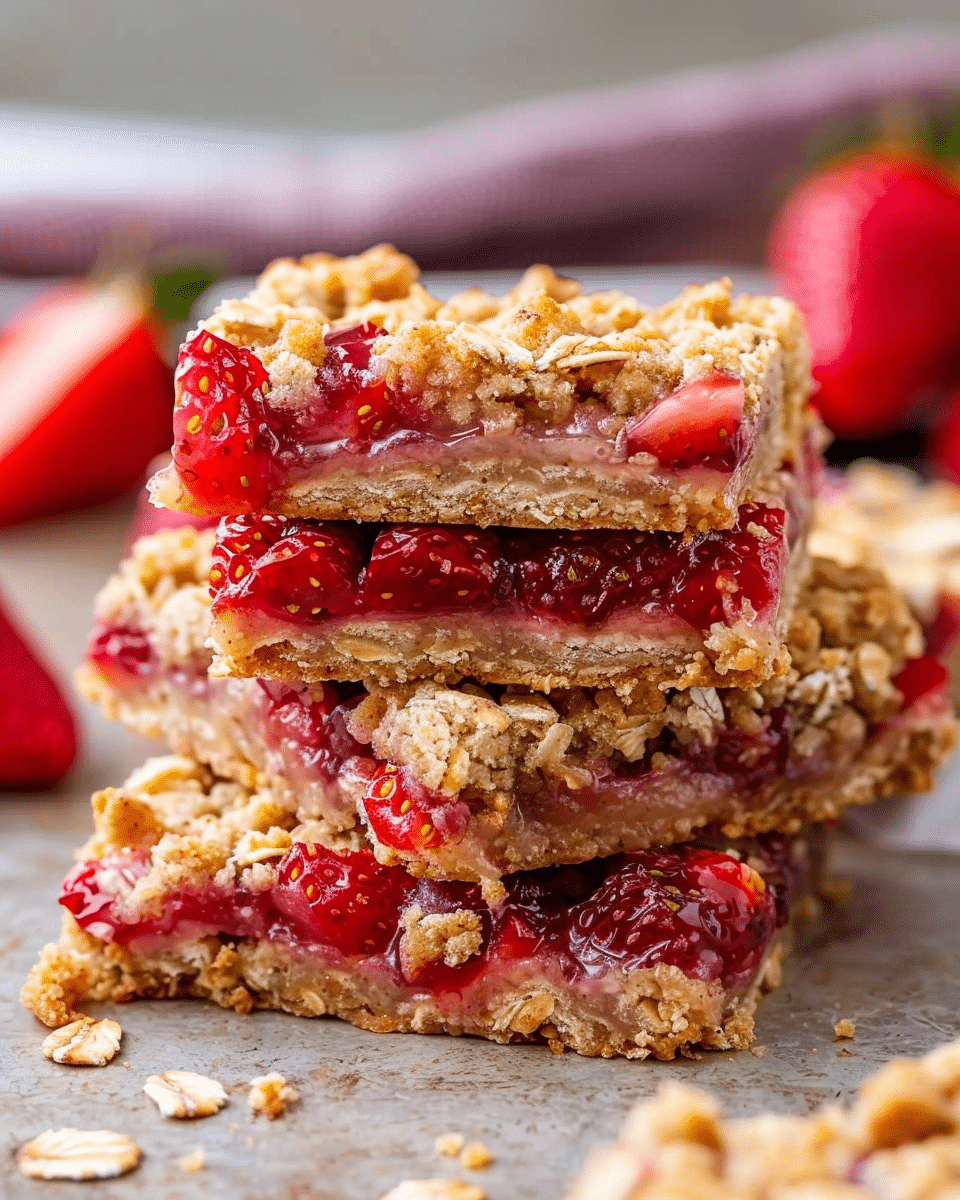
x=38, y=741
x=870, y=251
x=87, y=399
x=224, y=446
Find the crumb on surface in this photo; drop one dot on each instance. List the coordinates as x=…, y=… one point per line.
x=193, y=1162
x=271, y=1095
x=844, y=1028
x=435, y=1189
x=476, y=1156
x=758, y=1051
x=449, y=1144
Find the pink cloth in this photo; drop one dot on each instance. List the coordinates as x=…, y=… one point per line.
x=640, y=171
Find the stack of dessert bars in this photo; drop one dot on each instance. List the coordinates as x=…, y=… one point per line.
x=504, y=698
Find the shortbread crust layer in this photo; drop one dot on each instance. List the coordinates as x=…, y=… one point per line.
x=519, y=780
x=523, y=401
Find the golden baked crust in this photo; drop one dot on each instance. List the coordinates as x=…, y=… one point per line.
x=538, y=355
x=899, y=1139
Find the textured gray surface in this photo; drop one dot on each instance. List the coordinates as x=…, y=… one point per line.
x=373, y=1105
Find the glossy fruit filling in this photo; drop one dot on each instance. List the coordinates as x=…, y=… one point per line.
x=306, y=571
x=709, y=912
x=233, y=450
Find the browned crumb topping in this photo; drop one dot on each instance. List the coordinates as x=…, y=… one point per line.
x=900, y=1138
x=476, y=1157
x=844, y=1028
x=452, y=937
x=270, y=1096
x=532, y=355
x=884, y=515
x=449, y=1144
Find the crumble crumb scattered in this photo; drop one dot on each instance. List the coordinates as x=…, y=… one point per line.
x=192, y=1163
x=758, y=1051
x=83, y=1043
x=476, y=1157
x=271, y=1095
x=844, y=1028
x=435, y=1189
x=184, y=1095
x=449, y=1144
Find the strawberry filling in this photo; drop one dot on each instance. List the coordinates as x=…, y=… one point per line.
x=702, y=910
x=309, y=571
x=234, y=451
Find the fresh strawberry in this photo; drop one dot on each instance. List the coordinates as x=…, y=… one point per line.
x=870, y=251
x=88, y=399
x=429, y=567
x=287, y=566
x=348, y=901
x=224, y=447
x=405, y=815
x=38, y=740
x=919, y=677
x=697, y=425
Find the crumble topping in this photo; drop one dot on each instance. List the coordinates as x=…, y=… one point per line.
x=884, y=515
x=270, y=1096
x=844, y=1028
x=533, y=354
x=453, y=937
x=850, y=635
x=476, y=1157
x=164, y=581
x=449, y=1144
x=902, y=1130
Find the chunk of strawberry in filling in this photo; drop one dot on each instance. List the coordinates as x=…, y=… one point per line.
x=313, y=570
x=920, y=677
x=699, y=424
x=705, y=911
x=121, y=650
x=405, y=815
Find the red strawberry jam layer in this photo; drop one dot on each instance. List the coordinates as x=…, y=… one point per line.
x=708, y=912
x=306, y=572
x=235, y=452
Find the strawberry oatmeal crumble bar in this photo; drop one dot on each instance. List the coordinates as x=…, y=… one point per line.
x=881, y=514
x=473, y=783
x=196, y=886
x=898, y=1140
x=342, y=388
x=305, y=600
